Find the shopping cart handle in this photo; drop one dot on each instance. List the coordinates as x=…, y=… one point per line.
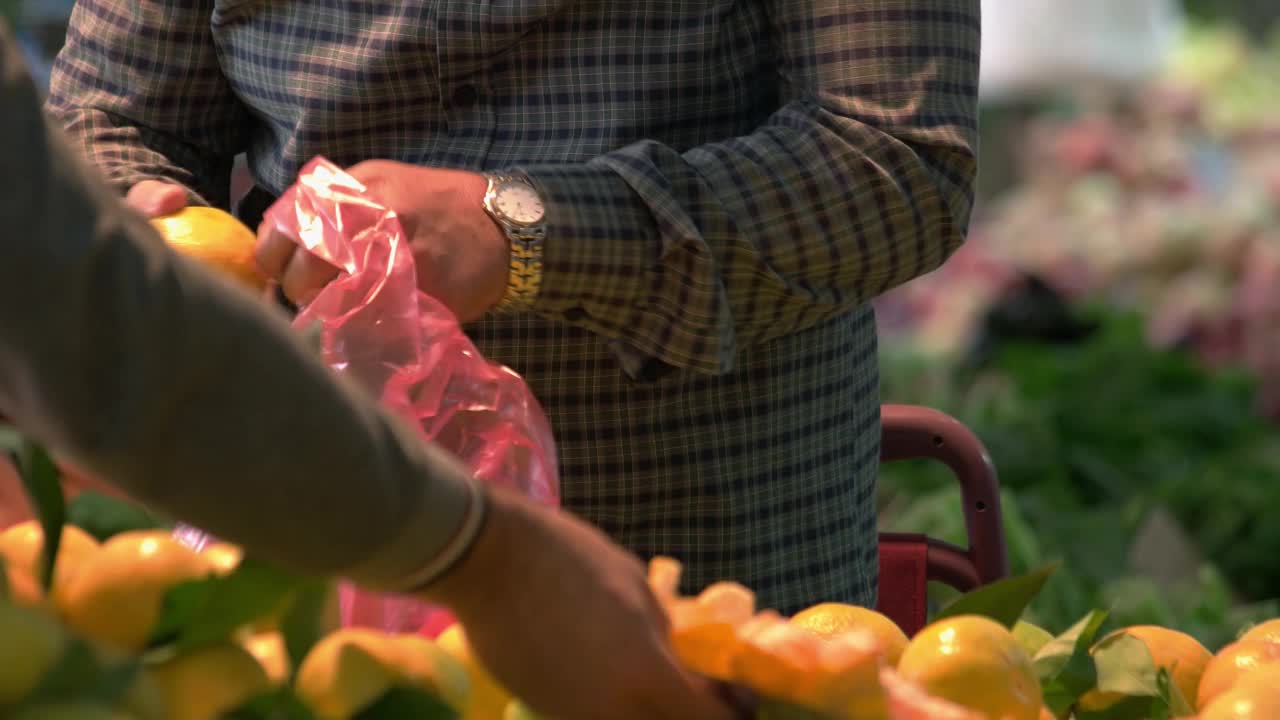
x=912, y=432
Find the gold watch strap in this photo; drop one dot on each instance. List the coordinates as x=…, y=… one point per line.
x=525, y=276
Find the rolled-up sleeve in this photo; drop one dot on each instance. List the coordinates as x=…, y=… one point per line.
x=140, y=92
x=860, y=181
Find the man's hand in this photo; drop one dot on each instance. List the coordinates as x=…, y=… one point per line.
x=462, y=256
x=154, y=198
x=567, y=622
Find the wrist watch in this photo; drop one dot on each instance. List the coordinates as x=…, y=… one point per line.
x=515, y=206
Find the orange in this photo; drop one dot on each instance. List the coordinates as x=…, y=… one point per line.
x=838, y=677
x=21, y=547
x=22, y=589
x=1255, y=697
x=827, y=668
x=830, y=619
x=1179, y=653
x=704, y=629
x=209, y=682
x=908, y=702
x=1269, y=630
x=486, y=697
x=352, y=668
x=517, y=710
x=31, y=643
x=1233, y=662
x=269, y=650
x=117, y=598
x=664, y=577
x=427, y=665
x=342, y=674
x=977, y=663
x=214, y=238
x=223, y=557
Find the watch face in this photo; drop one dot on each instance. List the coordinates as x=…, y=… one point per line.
x=518, y=202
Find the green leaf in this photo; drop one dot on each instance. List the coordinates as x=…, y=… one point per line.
x=205, y=611
x=1031, y=637
x=43, y=483
x=303, y=623
x=181, y=607
x=103, y=516
x=401, y=702
x=1124, y=665
x=80, y=673
x=1064, y=666
x=1177, y=705
x=114, y=683
x=1004, y=600
x=75, y=674
x=279, y=704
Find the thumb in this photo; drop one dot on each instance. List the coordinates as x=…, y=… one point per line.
x=154, y=198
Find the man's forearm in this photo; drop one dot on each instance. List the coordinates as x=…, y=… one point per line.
x=141, y=367
x=862, y=179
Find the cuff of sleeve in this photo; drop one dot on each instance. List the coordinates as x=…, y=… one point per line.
x=608, y=266
x=447, y=516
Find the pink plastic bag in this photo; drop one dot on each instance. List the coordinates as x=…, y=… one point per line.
x=377, y=327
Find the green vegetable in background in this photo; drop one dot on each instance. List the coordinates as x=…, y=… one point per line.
x=1088, y=438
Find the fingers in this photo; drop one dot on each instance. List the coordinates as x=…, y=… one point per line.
x=305, y=276
x=301, y=274
x=273, y=251
x=588, y=595
x=154, y=198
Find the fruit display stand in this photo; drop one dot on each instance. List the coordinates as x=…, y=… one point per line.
x=130, y=623
x=119, y=620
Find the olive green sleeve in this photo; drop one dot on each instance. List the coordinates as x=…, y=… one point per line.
x=187, y=393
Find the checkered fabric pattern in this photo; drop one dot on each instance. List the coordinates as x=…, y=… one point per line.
x=728, y=183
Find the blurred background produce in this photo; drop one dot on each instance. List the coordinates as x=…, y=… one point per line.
x=1112, y=328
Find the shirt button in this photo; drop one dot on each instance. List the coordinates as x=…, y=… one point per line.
x=464, y=96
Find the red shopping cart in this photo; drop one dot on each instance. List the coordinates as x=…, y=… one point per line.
x=908, y=561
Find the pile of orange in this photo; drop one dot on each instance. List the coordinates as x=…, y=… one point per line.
x=848, y=662
x=108, y=597
x=852, y=663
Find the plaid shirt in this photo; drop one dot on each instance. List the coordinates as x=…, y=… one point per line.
x=727, y=182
